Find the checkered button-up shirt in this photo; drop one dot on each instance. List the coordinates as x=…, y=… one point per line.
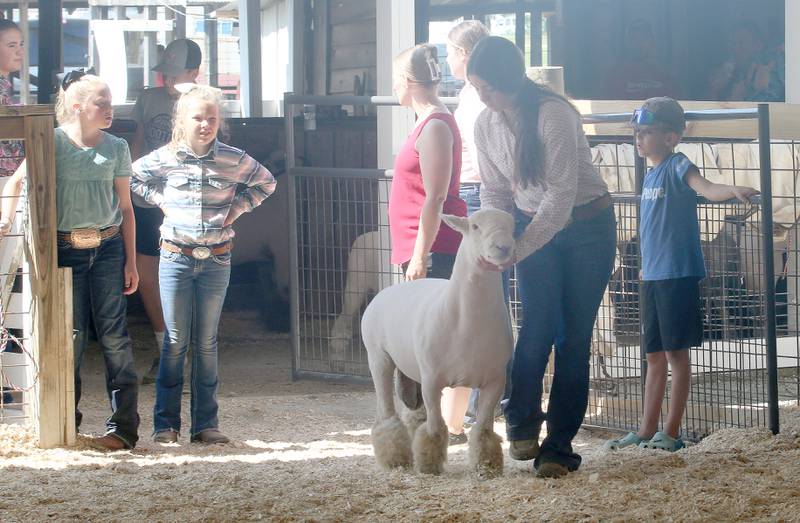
x=198, y=193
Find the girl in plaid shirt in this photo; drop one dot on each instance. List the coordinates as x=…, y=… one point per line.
x=202, y=186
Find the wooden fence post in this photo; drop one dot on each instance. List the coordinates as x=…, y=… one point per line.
x=51, y=307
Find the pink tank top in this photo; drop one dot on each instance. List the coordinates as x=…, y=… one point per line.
x=408, y=195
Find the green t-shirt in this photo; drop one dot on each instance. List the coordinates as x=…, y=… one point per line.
x=85, y=195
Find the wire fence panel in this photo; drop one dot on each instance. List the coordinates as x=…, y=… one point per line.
x=341, y=240
x=343, y=258
x=729, y=385
x=18, y=368
x=785, y=173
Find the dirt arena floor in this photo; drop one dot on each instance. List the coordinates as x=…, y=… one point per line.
x=301, y=452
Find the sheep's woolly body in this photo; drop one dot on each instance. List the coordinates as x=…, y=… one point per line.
x=445, y=333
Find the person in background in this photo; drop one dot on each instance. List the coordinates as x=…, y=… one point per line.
x=203, y=186
x=672, y=267
x=426, y=184
x=535, y=161
x=426, y=172
x=460, y=41
x=179, y=64
x=12, y=49
x=753, y=73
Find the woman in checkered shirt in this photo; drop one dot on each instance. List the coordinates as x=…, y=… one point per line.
x=535, y=162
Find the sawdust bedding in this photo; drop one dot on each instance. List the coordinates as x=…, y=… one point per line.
x=301, y=452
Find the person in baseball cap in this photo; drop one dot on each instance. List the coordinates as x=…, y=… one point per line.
x=178, y=64
x=661, y=111
x=180, y=56
x=672, y=266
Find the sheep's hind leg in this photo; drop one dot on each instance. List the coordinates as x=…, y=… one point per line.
x=412, y=405
x=390, y=440
x=430, y=438
x=485, y=450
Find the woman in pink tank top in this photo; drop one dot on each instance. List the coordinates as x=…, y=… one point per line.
x=426, y=184
x=426, y=172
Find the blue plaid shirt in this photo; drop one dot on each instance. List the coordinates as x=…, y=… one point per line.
x=197, y=194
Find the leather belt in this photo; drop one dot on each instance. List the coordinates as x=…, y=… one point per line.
x=200, y=252
x=585, y=211
x=593, y=208
x=87, y=238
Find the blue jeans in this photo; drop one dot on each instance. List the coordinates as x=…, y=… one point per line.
x=192, y=294
x=97, y=285
x=471, y=194
x=561, y=286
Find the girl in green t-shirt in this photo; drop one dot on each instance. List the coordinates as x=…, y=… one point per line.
x=96, y=239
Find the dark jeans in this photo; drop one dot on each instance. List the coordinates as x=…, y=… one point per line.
x=97, y=285
x=561, y=286
x=192, y=294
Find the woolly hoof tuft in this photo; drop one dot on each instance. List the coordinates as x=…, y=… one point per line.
x=413, y=419
x=430, y=451
x=485, y=453
x=391, y=444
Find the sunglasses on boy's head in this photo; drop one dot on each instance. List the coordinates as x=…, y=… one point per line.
x=643, y=117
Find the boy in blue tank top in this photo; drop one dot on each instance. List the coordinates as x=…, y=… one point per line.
x=672, y=267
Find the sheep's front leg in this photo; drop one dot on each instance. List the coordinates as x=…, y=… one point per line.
x=390, y=440
x=485, y=450
x=430, y=439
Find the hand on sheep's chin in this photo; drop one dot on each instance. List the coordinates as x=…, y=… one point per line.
x=486, y=265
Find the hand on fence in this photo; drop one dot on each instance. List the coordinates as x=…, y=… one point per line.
x=743, y=194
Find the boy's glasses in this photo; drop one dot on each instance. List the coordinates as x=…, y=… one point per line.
x=643, y=117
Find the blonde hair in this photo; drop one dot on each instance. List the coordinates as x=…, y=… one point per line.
x=467, y=34
x=419, y=64
x=77, y=93
x=193, y=93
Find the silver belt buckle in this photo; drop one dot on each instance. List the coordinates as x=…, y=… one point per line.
x=201, y=253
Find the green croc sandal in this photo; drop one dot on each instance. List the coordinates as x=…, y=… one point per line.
x=628, y=440
x=663, y=441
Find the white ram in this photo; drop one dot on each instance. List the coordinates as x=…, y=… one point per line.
x=444, y=333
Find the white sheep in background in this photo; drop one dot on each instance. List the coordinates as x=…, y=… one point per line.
x=367, y=262
x=444, y=333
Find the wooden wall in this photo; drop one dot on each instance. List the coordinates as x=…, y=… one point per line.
x=344, y=47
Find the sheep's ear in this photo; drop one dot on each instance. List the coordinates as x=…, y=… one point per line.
x=456, y=223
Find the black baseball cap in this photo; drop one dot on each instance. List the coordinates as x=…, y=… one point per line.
x=660, y=111
x=179, y=56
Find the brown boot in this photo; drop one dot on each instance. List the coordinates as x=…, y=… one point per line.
x=108, y=442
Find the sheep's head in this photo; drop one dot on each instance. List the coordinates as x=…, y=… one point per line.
x=488, y=233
